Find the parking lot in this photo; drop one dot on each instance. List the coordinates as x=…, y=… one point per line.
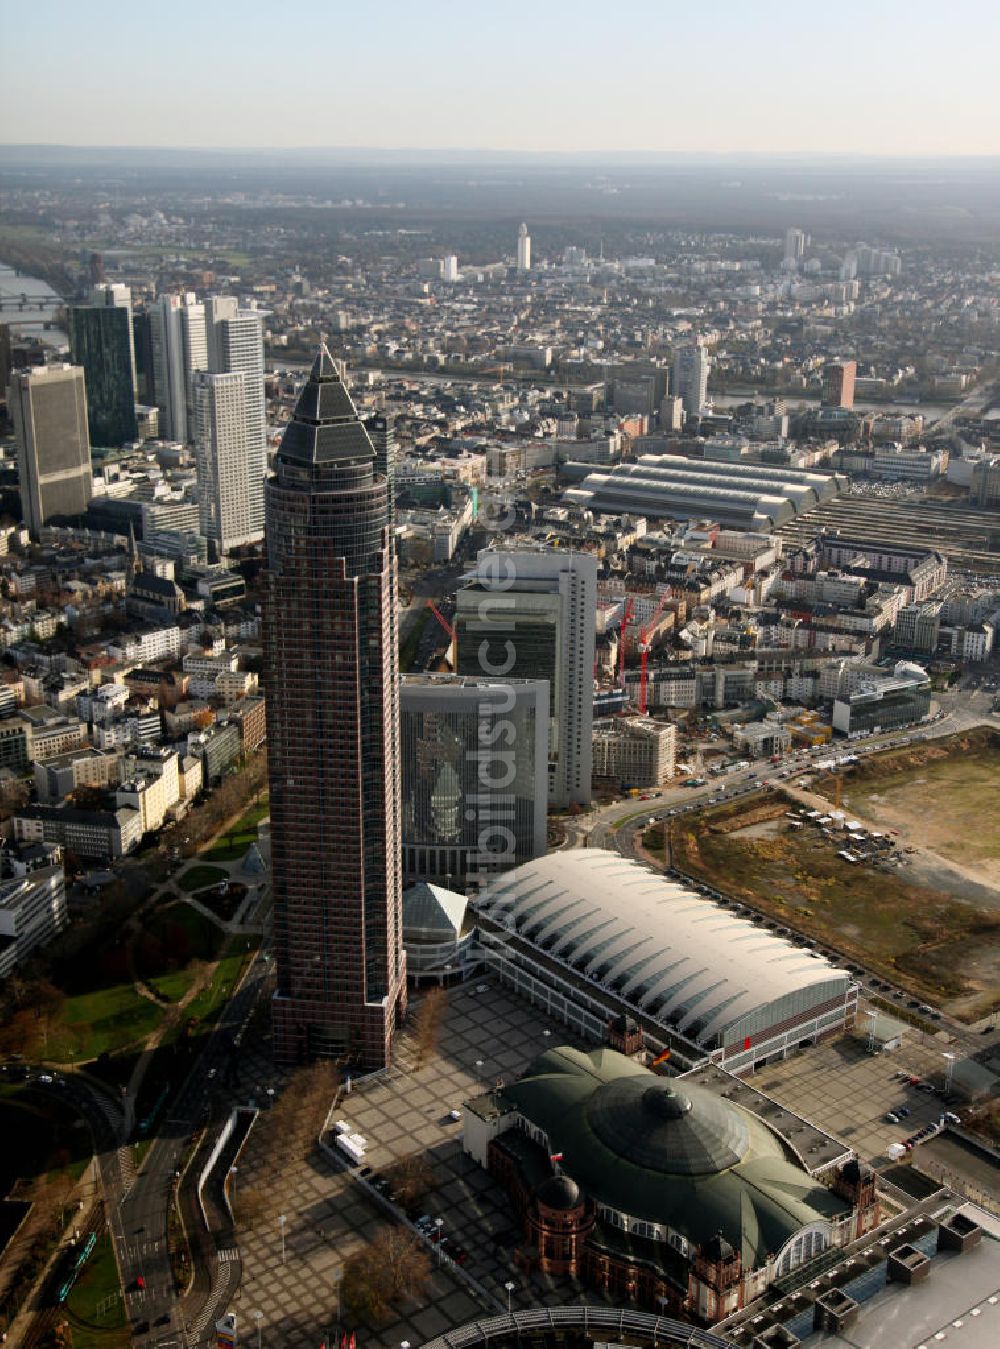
x=848, y=1092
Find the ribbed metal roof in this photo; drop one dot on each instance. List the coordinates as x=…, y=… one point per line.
x=666, y=484
x=669, y=951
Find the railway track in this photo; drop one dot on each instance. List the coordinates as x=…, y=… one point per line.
x=969, y=538
x=51, y=1310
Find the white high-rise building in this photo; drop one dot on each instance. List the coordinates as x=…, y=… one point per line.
x=796, y=243
x=167, y=344
x=180, y=347
x=229, y=498
x=218, y=308
x=195, y=336
x=531, y=615
x=236, y=347
x=118, y=296
x=523, y=249
x=690, y=377
x=449, y=270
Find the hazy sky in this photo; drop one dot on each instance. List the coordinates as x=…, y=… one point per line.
x=861, y=76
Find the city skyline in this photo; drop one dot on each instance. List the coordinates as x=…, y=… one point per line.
x=733, y=80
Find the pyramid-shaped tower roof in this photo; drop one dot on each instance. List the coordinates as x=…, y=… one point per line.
x=325, y=426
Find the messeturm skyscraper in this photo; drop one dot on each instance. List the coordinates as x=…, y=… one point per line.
x=331, y=670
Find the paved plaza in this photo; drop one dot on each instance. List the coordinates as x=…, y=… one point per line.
x=488, y=1036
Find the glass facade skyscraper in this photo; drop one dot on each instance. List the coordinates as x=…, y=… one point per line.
x=331, y=673
x=100, y=339
x=475, y=771
x=529, y=614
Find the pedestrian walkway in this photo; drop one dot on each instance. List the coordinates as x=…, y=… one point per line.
x=488, y=1036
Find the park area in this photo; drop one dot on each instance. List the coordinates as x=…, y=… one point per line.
x=940, y=795
x=945, y=951
x=231, y=846
x=95, y=1309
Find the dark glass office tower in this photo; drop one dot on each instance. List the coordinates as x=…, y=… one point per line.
x=331, y=670
x=143, y=344
x=99, y=340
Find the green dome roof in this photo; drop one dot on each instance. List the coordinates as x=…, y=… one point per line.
x=682, y=1133
x=668, y=1151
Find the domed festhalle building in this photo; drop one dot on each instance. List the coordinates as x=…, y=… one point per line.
x=657, y=1190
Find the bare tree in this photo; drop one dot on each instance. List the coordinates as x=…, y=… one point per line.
x=288, y=1131
x=393, y=1265
x=427, y=1024
x=405, y=1261
x=364, y=1288
x=410, y=1179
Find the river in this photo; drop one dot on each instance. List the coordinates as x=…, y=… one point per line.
x=26, y=302
x=930, y=411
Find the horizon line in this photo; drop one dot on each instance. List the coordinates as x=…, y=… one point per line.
x=472, y=150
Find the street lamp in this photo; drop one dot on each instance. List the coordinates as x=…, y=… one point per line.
x=258, y=1317
x=439, y=1223
x=949, y=1072
x=510, y=1286
x=282, y=1219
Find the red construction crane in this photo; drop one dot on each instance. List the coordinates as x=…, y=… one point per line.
x=645, y=642
x=441, y=619
x=627, y=614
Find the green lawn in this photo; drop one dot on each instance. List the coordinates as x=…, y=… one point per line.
x=96, y=1322
x=40, y=1136
x=104, y=1020
x=204, y=1007
x=652, y=841
x=173, y=986
x=231, y=846
x=191, y=935
x=200, y=877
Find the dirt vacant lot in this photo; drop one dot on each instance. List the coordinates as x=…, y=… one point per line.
x=946, y=951
x=942, y=796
